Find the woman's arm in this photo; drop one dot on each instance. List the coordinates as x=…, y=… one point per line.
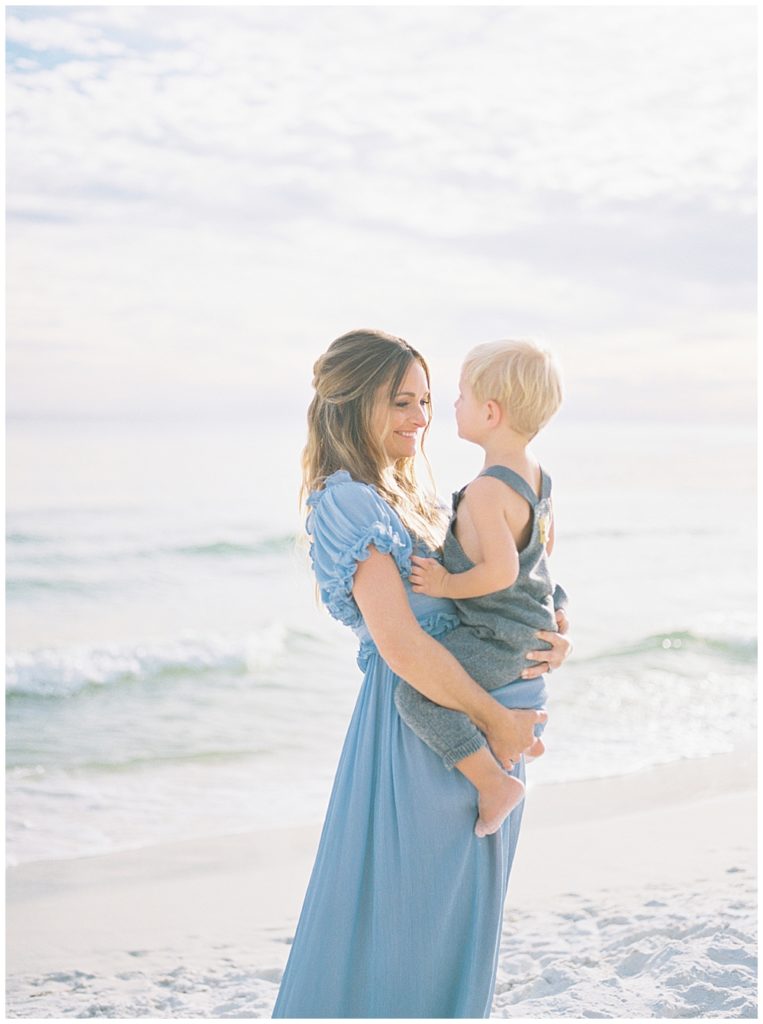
x=423, y=662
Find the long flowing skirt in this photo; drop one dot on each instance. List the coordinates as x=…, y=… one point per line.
x=403, y=912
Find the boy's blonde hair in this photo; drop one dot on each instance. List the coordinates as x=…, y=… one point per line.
x=522, y=378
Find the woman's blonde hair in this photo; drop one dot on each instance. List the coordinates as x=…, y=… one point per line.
x=523, y=378
x=348, y=380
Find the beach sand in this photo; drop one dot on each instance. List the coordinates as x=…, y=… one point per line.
x=630, y=897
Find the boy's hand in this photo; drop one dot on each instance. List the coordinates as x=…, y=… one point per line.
x=428, y=576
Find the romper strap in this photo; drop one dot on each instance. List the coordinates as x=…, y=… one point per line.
x=456, y=499
x=518, y=483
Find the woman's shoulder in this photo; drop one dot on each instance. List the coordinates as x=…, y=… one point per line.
x=341, y=493
x=339, y=482
x=346, y=518
x=347, y=508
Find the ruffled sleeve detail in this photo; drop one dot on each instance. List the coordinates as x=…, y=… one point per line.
x=345, y=519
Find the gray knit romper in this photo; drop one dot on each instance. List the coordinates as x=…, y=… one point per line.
x=496, y=631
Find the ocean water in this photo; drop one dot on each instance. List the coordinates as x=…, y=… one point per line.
x=169, y=673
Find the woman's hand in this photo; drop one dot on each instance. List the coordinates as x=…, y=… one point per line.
x=561, y=646
x=511, y=732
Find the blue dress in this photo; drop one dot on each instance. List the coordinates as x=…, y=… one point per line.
x=403, y=912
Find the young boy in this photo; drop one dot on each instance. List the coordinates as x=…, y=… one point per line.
x=495, y=560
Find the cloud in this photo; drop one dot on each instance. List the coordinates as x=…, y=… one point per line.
x=59, y=34
x=596, y=104
x=188, y=187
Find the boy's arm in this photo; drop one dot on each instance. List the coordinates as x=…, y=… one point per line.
x=560, y=594
x=560, y=597
x=499, y=566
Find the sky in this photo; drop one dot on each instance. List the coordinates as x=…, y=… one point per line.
x=200, y=199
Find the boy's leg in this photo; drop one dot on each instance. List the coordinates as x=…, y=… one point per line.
x=450, y=734
x=454, y=737
x=498, y=792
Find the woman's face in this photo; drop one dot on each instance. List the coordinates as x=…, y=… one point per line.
x=397, y=423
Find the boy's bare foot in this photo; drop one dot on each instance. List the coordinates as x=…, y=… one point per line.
x=498, y=793
x=496, y=802
x=536, y=750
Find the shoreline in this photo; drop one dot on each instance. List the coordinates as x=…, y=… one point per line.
x=202, y=927
x=687, y=776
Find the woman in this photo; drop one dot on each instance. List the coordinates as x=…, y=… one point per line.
x=402, y=916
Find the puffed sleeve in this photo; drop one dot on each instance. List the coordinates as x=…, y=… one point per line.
x=345, y=519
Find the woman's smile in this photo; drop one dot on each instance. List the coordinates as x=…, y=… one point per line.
x=398, y=423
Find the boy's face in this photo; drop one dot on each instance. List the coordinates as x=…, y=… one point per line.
x=470, y=413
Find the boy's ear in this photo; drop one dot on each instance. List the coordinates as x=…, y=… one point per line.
x=493, y=412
